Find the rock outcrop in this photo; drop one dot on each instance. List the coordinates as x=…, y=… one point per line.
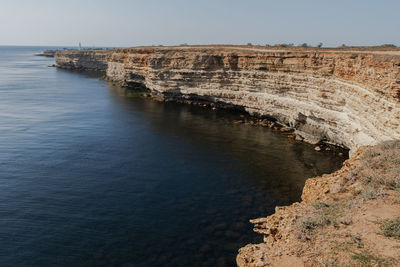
x=340, y=220
x=348, y=98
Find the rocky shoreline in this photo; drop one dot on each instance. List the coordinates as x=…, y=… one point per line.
x=344, y=97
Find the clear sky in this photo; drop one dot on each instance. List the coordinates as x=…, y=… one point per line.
x=172, y=22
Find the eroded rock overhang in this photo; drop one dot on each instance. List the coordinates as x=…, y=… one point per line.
x=345, y=97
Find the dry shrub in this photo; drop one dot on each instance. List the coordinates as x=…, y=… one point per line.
x=383, y=164
x=391, y=228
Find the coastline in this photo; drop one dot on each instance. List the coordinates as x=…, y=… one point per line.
x=344, y=97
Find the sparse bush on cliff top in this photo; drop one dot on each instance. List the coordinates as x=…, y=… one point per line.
x=388, y=45
x=377, y=47
x=284, y=45
x=323, y=214
x=382, y=165
x=391, y=228
x=310, y=223
x=379, y=169
x=366, y=258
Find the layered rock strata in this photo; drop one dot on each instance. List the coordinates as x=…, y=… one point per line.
x=348, y=98
x=82, y=60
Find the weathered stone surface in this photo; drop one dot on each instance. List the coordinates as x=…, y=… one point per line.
x=349, y=98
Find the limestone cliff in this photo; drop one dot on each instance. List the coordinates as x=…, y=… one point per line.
x=349, y=98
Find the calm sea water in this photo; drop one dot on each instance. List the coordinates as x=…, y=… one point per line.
x=91, y=177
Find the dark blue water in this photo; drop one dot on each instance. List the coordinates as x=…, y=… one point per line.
x=91, y=177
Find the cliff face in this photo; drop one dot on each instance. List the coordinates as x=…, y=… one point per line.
x=349, y=98
x=82, y=60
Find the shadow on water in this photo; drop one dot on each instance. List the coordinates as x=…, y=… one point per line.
x=216, y=131
x=83, y=73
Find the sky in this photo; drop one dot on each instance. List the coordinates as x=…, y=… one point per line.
x=124, y=23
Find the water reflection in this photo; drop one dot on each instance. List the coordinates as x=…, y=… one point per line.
x=259, y=148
